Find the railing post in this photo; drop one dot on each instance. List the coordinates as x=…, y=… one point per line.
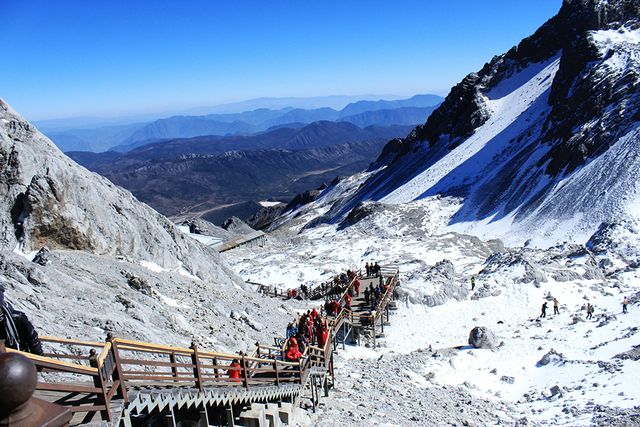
x=245, y=375
x=216, y=370
x=99, y=381
x=275, y=367
x=174, y=369
x=118, y=374
x=196, y=369
x=300, y=370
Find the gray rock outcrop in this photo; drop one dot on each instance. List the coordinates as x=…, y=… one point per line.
x=48, y=200
x=483, y=337
x=442, y=275
x=236, y=226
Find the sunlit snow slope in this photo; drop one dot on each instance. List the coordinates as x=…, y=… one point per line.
x=540, y=146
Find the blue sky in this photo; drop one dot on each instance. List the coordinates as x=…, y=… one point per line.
x=86, y=58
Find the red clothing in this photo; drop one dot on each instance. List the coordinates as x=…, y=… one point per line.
x=293, y=354
x=347, y=300
x=356, y=286
x=321, y=334
x=234, y=373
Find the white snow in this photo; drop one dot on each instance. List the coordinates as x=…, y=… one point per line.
x=507, y=102
x=152, y=266
x=266, y=204
x=608, y=39
x=512, y=315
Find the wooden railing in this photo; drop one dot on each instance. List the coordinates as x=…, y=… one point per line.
x=121, y=364
x=92, y=381
x=98, y=369
x=392, y=283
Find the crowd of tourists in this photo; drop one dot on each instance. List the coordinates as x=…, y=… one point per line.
x=308, y=329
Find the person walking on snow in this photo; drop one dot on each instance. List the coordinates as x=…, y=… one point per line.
x=544, y=310
x=624, y=305
x=555, y=306
x=473, y=282
x=590, y=310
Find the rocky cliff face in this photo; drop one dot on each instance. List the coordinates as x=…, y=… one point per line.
x=540, y=139
x=48, y=200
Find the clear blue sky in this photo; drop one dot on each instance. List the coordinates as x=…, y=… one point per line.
x=99, y=58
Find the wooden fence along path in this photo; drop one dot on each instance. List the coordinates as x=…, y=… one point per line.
x=122, y=379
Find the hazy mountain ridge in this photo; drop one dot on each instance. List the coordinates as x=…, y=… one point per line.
x=191, y=185
x=184, y=187
x=314, y=135
x=507, y=147
x=122, y=138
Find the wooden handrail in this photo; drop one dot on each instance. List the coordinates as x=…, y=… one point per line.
x=120, y=361
x=48, y=361
x=104, y=353
x=393, y=281
x=70, y=341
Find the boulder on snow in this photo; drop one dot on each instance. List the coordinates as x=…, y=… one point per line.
x=483, y=337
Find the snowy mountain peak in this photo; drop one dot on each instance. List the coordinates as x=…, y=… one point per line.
x=540, y=145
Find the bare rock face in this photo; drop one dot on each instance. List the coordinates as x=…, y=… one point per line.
x=483, y=337
x=443, y=276
x=48, y=200
x=236, y=226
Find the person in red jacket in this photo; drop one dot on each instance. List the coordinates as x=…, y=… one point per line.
x=293, y=354
x=321, y=334
x=347, y=301
x=356, y=287
x=234, y=373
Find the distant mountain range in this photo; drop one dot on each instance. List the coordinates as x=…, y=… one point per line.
x=126, y=137
x=195, y=176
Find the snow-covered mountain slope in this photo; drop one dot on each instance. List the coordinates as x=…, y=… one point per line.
x=540, y=146
x=423, y=371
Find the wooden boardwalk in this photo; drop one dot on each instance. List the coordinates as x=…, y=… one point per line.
x=122, y=379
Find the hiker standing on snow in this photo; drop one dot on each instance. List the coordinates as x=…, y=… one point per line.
x=555, y=306
x=590, y=310
x=544, y=310
x=473, y=282
x=624, y=305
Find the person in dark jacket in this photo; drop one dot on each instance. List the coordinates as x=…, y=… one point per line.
x=16, y=330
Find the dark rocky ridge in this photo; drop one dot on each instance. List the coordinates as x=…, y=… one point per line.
x=463, y=109
x=586, y=107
